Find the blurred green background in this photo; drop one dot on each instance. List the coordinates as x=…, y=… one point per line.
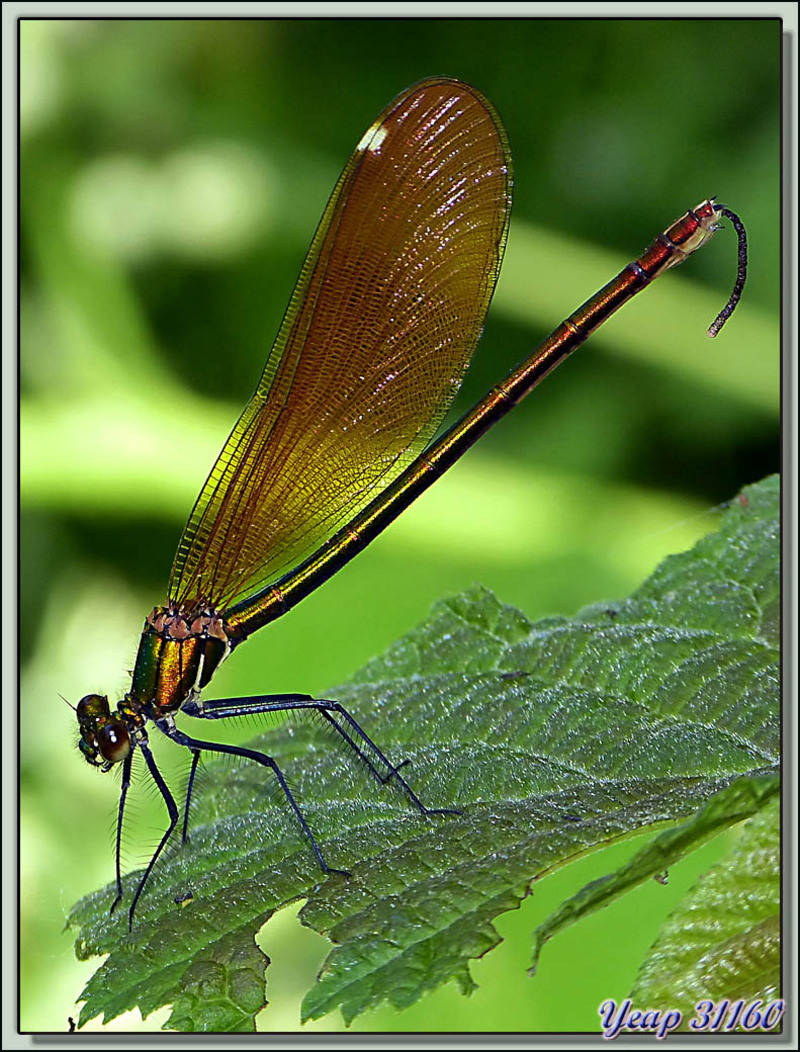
x=172, y=175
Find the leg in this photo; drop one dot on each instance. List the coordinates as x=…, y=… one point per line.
x=198, y=746
x=126, y=782
x=189, y=788
x=226, y=708
x=172, y=808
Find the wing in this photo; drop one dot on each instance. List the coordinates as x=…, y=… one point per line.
x=373, y=347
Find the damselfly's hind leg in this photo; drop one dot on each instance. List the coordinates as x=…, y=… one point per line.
x=336, y=715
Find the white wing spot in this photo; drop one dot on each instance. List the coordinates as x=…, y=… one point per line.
x=373, y=137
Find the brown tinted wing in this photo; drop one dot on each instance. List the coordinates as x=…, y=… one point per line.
x=379, y=331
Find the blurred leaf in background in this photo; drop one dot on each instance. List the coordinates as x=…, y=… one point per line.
x=172, y=174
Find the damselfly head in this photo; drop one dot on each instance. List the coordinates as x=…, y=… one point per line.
x=104, y=737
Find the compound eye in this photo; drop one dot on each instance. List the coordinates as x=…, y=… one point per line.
x=92, y=707
x=113, y=740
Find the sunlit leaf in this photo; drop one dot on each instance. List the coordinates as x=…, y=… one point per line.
x=553, y=738
x=723, y=942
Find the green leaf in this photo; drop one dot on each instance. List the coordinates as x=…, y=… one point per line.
x=745, y=797
x=724, y=939
x=554, y=738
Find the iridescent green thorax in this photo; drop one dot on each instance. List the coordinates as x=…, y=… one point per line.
x=178, y=654
x=177, y=657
